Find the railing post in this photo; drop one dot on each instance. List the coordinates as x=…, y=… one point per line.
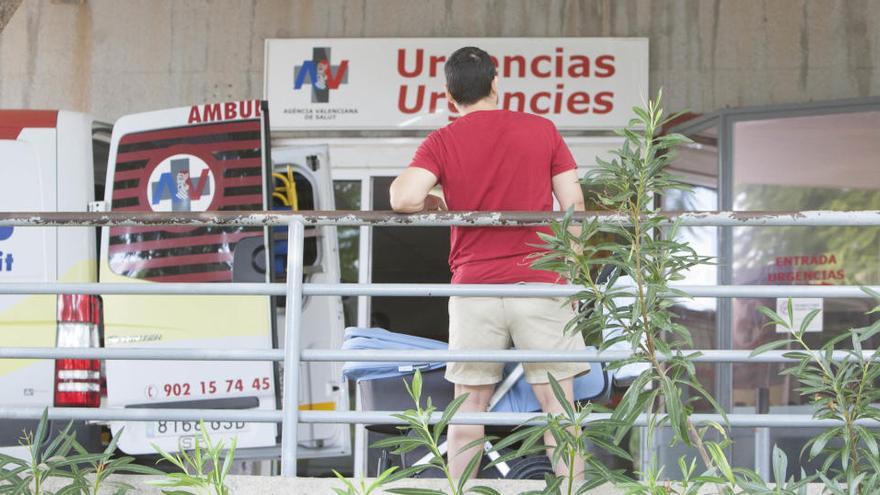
x=293, y=317
x=763, y=462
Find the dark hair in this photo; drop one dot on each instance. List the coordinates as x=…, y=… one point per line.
x=469, y=74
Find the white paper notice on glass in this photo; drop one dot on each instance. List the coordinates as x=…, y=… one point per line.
x=801, y=307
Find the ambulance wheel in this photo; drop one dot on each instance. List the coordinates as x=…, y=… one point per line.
x=530, y=467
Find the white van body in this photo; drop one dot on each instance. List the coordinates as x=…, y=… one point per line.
x=45, y=165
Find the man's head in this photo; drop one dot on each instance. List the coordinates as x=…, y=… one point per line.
x=470, y=77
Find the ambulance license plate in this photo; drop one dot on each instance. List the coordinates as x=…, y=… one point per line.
x=177, y=428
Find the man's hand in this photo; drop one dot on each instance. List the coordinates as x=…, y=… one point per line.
x=434, y=203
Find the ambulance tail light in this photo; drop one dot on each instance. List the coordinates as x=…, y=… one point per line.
x=78, y=382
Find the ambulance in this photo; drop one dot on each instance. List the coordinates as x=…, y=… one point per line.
x=211, y=157
x=46, y=164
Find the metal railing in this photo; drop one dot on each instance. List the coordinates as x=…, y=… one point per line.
x=294, y=290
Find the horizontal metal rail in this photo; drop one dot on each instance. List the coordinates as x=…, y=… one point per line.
x=422, y=290
x=403, y=356
x=558, y=290
x=516, y=419
x=175, y=288
x=289, y=415
x=387, y=417
x=525, y=356
x=451, y=218
x=142, y=354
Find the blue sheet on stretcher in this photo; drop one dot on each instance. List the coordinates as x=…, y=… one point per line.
x=520, y=398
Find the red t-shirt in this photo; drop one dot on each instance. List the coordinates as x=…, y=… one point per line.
x=496, y=160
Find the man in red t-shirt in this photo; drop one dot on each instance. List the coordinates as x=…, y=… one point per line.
x=495, y=160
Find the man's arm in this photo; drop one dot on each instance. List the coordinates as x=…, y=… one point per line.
x=409, y=191
x=569, y=194
x=568, y=191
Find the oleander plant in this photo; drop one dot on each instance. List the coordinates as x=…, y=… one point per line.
x=63, y=458
x=637, y=298
x=75, y=471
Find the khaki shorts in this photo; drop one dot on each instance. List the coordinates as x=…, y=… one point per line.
x=529, y=323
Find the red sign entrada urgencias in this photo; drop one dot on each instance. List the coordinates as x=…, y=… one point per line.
x=818, y=268
x=417, y=97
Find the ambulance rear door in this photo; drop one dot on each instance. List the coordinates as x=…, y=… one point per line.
x=306, y=170
x=201, y=158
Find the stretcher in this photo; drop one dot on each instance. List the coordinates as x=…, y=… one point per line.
x=380, y=387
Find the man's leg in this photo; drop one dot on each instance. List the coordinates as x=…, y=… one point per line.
x=539, y=324
x=474, y=323
x=460, y=435
x=549, y=404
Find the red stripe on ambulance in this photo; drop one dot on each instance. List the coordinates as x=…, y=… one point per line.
x=12, y=122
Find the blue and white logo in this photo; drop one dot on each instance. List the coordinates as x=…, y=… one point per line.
x=181, y=183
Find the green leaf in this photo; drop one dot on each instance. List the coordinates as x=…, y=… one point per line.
x=40, y=436
x=469, y=469
x=8, y=459
x=139, y=469
x=447, y=415
x=720, y=460
x=871, y=292
x=561, y=397
x=478, y=442
x=417, y=387
x=483, y=490
x=780, y=465
x=415, y=491
x=820, y=441
x=227, y=462
x=774, y=317
x=60, y=444
x=111, y=447
x=518, y=435
x=78, y=459
x=612, y=449
x=169, y=458
x=400, y=474
x=776, y=344
x=809, y=319
x=536, y=449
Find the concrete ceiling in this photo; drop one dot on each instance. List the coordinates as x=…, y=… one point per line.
x=7, y=8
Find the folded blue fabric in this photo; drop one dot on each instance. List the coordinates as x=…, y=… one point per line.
x=381, y=339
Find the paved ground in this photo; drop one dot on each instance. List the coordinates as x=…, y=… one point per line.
x=264, y=485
